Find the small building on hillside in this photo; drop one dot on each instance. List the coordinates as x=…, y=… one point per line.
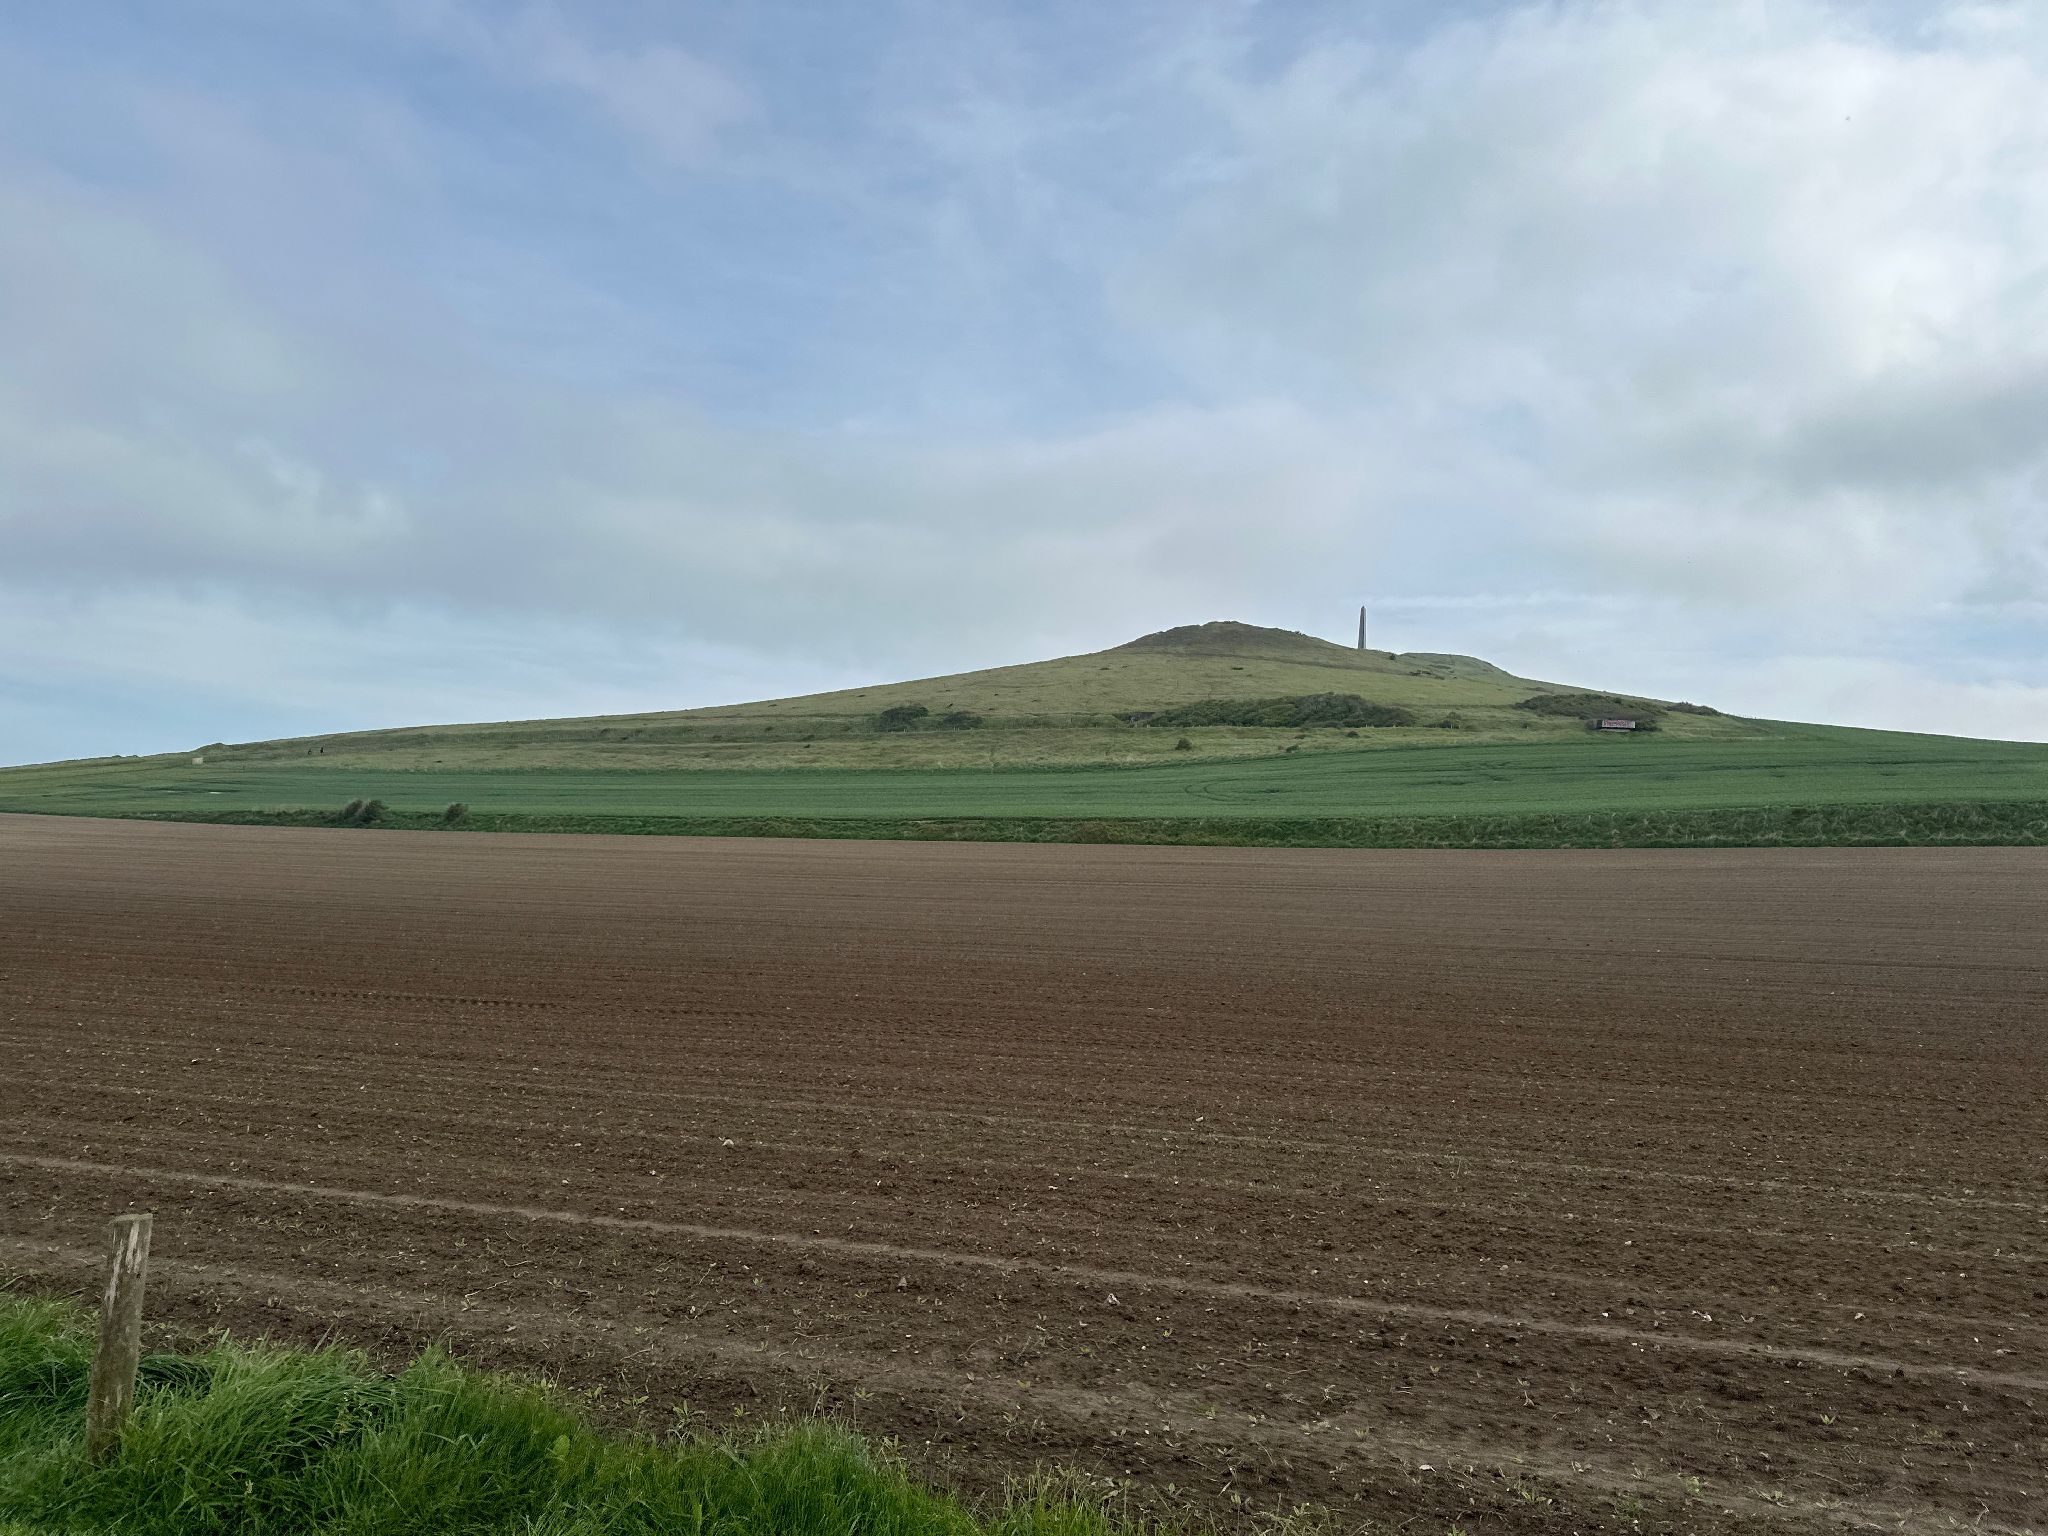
x=1617, y=725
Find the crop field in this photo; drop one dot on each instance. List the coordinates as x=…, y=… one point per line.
x=1619, y=1190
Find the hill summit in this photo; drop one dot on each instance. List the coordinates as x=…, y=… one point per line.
x=1228, y=637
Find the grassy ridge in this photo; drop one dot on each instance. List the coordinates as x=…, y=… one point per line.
x=260, y=1440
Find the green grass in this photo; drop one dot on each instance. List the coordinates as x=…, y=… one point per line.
x=257, y=1440
x=1583, y=775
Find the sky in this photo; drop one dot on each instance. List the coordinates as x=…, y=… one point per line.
x=371, y=362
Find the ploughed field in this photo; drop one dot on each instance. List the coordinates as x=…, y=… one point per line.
x=1631, y=1190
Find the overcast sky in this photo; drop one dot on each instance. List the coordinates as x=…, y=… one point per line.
x=365, y=363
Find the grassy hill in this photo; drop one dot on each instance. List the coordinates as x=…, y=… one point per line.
x=1064, y=711
x=1107, y=746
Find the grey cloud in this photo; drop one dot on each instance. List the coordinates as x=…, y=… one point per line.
x=1607, y=302
x=1766, y=289
x=178, y=468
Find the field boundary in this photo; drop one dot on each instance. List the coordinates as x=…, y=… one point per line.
x=1990, y=823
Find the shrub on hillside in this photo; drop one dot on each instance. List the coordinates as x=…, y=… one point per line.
x=900, y=717
x=455, y=813
x=1684, y=707
x=1183, y=745
x=1307, y=709
x=1593, y=706
x=960, y=720
x=362, y=813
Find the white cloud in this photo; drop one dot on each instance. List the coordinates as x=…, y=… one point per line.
x=664, y=98
x=1683, y=331
x=192, y=438
x=142, y=401
x=1890, y=695
x=223, y=656
x=1762, y=294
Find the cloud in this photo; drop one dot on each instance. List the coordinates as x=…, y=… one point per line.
x=1760, y=293
x=167, y=671
x=1892, y=695
x=1621, y=343
x=193, y=440
x=144, y=405
x=664, y=98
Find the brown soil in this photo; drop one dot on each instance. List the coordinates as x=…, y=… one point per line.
x=1533, y=1191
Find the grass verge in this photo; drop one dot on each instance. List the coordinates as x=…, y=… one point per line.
x=1996, y=823
x=253, y=1439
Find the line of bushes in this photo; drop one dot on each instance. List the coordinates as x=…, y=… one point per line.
x=911, y=717
x=1595, y=707
x=1993, y=823
x=373, y=813
x=1297, y=710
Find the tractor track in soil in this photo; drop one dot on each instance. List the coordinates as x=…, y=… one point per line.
x=1540, y=1191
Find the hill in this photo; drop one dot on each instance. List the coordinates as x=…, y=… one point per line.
x=1070, y=710
x=1211, y=732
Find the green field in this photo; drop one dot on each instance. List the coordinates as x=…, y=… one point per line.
x=1650, y=779
x=1050, y=752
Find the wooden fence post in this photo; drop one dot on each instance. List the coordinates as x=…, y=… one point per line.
x=120, y=1349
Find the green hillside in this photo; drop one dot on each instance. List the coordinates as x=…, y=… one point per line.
x=1111, y=745
x=1063, y=711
